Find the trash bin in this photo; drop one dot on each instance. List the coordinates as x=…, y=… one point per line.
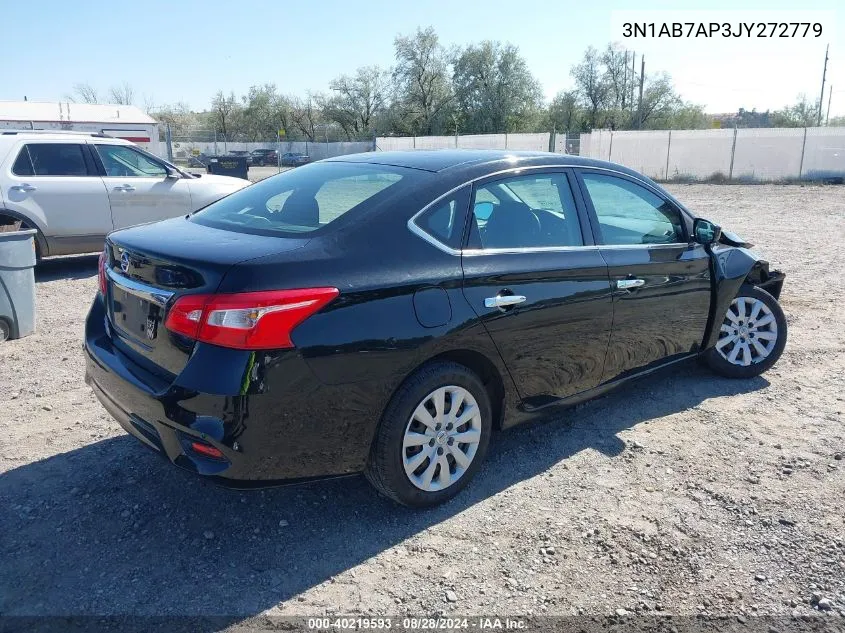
x=228, y=166
x=17, y=284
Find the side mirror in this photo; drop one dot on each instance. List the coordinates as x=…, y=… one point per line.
x=705, y=232
x=172, y=173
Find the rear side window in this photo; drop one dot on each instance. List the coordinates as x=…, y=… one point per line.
x=50, y=159
x=533, y=211
x=306, y=199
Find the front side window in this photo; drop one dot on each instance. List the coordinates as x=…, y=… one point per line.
x=534, y=211
x=126, y=162
x=50, y=159
x=630, y=214
x=306, y=199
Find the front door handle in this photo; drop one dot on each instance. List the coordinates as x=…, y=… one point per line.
x=503, y=301
x=124, y=188
x=627, y=284
x=25, y=187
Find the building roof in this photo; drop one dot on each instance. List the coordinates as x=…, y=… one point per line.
x=55, y=112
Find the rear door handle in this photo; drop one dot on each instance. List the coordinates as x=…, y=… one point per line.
x=25, y=187
x=503, y=301
x=124, y=188
x=627, y=284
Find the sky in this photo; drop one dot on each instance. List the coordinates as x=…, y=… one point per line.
x=185, y=51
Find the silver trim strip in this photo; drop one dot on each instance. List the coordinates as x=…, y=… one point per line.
x=420, y=232
x=148, y=293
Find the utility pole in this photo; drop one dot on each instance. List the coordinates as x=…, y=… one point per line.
x=625, y=81
x=824, y=76
x=640, y=101
x=829, y=96
x=633, y=79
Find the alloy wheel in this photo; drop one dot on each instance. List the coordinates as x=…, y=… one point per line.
x=749, y=332
x=441, y=438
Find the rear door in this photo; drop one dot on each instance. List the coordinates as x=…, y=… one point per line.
x=57, y=185
x=138, y=186
x=661, y=279
x=540, y=287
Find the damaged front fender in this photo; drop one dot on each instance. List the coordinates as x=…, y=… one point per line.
x=733, y=267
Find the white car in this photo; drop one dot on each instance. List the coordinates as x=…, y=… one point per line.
x=74, y=188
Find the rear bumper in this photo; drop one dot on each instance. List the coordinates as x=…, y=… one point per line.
x=266, y=436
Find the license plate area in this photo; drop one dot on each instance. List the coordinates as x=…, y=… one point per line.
x=136, y=310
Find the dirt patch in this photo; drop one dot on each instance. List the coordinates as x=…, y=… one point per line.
x=682, y=493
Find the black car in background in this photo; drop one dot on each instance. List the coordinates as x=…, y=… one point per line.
x=261, y=157
x=242, y=154
x=384, y=312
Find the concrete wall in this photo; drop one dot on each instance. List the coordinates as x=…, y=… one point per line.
x=538, y=142
x=754, y=155
x=316, y=151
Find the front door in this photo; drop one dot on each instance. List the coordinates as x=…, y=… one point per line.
x=661, y=279
x=139, y=188
x=56, y=185
x=541, y=290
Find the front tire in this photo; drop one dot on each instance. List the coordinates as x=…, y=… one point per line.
x=433, y=436
x=752, y=335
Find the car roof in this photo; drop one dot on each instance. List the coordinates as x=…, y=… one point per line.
x=453, y=160
x=56, y=134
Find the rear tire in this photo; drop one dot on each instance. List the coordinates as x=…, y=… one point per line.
x=418, y=458
x=5, y=330
x=752, y=335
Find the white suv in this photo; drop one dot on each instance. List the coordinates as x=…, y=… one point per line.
x=74, y=188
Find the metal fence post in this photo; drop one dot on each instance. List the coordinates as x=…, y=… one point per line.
x=168, y=139
x=733, y=152
x=668, y=148
x=803, y=146
x=506, y=144
x=553, y=140
x=610, y=149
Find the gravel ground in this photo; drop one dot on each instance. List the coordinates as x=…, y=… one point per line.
x=682, y=493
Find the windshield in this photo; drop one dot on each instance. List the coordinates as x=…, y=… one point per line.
x=306, y=199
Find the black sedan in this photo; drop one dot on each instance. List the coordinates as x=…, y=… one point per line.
x=385, y=312
x=261, y=157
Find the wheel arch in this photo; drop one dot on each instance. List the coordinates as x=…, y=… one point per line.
x=42, y=247
x=480, y=365
x=734, y=268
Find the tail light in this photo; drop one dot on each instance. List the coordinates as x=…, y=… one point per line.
x=248, y=320
x=101, y=272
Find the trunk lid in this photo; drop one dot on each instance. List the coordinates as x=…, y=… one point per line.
x=151, y=265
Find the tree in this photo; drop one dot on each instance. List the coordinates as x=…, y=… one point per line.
x=123, y=94
x=306, y=115
x=591, y=85
x=84, y=93
x=423, y=86
x=659, y=103
x=357, y=100
x=565, y=114
x=494, y=90
x=265, y=111
x=178, y=116
x=800, y=114
x=224, y=110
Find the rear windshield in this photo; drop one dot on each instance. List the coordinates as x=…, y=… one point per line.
x=306, y=199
